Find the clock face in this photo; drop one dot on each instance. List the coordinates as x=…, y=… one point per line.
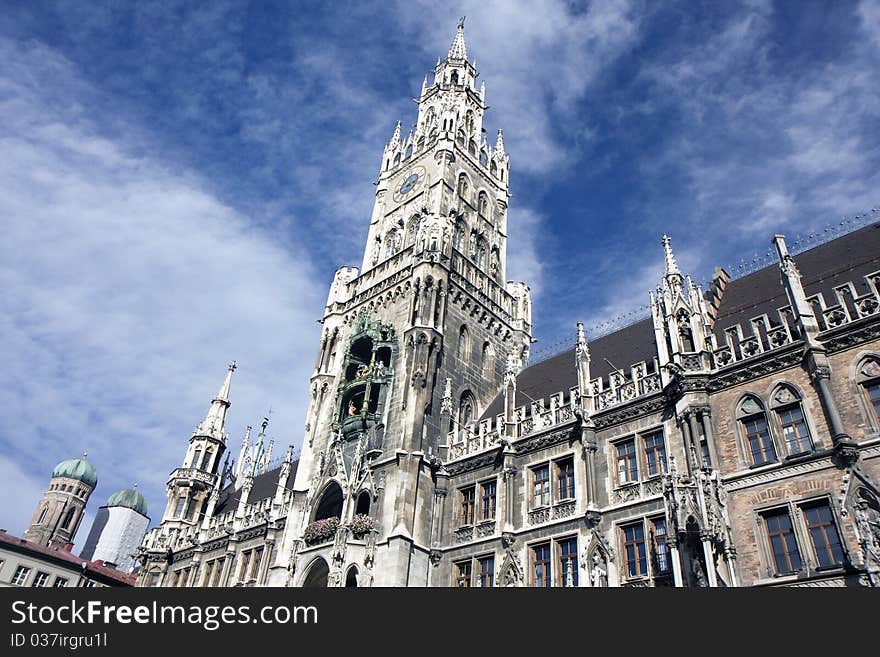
x=409, y=182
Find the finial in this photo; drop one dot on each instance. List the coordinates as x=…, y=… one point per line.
x=499, y=141
x=232, y=366
x=265, y=424
x=670, y=267
x=85, y=454
x=458, y=50
x=135, y=486
x=461, y=22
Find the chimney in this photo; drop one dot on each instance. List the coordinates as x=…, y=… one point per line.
x=68, y=547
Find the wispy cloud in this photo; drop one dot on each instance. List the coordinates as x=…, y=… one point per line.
x=127, y=288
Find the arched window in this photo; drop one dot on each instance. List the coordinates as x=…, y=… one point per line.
x=460, y=138
x=458, y=239
x=472, y=147
x=482, y=250
x=351, y=578
x=316, y=577
x=493, y=168
x=483, y=205
x=42, y=515
x=330, y=505
x=488, y=359
x=411, y=229
x=454, y=77
x=467, y=409
x=469, y=121
x=464, y=343
x=206, y=462
x=484, y=158
x=392, y=242
x=397, y=159
x=463, y=186
x=869, y=381
x=68, y=518
x=786, y=403
x=756, y=432
x=197, y=458
x=363, y=503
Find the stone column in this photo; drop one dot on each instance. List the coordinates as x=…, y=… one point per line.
x=672, y=542
x=710, y=559
x=706, y=419
x=695, y=438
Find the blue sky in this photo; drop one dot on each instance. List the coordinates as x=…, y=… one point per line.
x=179, y=181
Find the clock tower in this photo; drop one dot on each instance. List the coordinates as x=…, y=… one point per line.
x=414, y=347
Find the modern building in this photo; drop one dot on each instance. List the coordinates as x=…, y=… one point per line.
x=118, y=530
x=730, y=438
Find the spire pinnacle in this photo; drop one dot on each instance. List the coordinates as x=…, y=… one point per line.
x=395, y=138
x=670, y=266
x=499, y=142
x=215, y=420
x=458, y=50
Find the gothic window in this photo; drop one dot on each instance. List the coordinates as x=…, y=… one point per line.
x=541, y=486
x=483, y=205
x=480, y=257
x=408, y=152
x=567, y=562
x=493, y=168
x=541, y=565
x=68, y=519
x=783, y=545
x=330, y=505
x=466, y=506
x=488, y=359
x=486, y=571
x=453, y=78
x=487, y=500
x=43, y=515
x=392, y=242
x=463, y=574
x=412, y=228
x=197, y=458
x=363, y=503
x=660, y=557
x=397, y=159
x=469, y=122
x=627, y=463
x=687, y=339
x=753, y=422
x=206, y=461
x=823, y=535
x=655, y=453
x=458, y=240
x=565, y=479
x=484, y=158
x=459, y=137
x=466, y=409
x=795, y=432
x=316, y=577
x=634, y=550
x=463, y=186
x=472, y=147
x=351, y=581
x=869, y=381
x=178, y=509
x=463, y=350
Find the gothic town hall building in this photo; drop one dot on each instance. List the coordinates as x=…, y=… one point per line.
x=735, y=440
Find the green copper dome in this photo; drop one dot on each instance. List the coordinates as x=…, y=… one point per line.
x=79, y=469
x=130, y=499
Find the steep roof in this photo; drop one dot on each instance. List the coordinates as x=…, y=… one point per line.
x=844, y=259
x=847, y=258
x=264, y=487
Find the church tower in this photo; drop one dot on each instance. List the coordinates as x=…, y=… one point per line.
x=60, y=512
x=190, y=485
x=414, y=346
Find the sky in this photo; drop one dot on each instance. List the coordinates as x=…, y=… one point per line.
x=180, y=180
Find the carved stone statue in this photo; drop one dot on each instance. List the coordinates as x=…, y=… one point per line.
x=352, y=409
x=697, y=571
x=598, y=573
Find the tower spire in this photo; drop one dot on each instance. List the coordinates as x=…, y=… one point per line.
x=215, y=420
x=670, y=266
x=458, y=49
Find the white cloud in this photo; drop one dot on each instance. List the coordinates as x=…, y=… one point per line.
x=127, y=287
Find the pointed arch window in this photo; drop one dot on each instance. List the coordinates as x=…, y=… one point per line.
x=206, y=461
x=43, y=515
x=392, y=242
x=869, y=382
x=464, y=343
x=756, y=432
x=789, y=410
x=483, y=205
x=488, y=359
x=197, y=458
x=411, y=229
x=453, y=79
x=68, y=519
x=467, y=409
x=463, y=186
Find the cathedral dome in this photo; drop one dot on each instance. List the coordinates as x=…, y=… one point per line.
x=129, y=498
x=79, y=469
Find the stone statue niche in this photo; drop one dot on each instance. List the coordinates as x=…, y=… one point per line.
x=694, y=562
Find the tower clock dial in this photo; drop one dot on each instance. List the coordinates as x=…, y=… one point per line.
x=409, y=182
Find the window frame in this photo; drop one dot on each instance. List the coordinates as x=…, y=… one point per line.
x=41, y=579
x=617, y=445
x=833, y=522
x=547, y=562
x=467, y=505
x=663, y=462
x=24, y=571
x=742, y=417
x=463, y=573
x=537, y=500
x=767, y=537
x=482, y=574
x=865, y=381
x=570, y=479
x=493, y=511
x=642, y=573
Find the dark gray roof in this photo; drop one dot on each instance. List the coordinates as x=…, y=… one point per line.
x=847, y=258
x=623, y=348
x=264, y=486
